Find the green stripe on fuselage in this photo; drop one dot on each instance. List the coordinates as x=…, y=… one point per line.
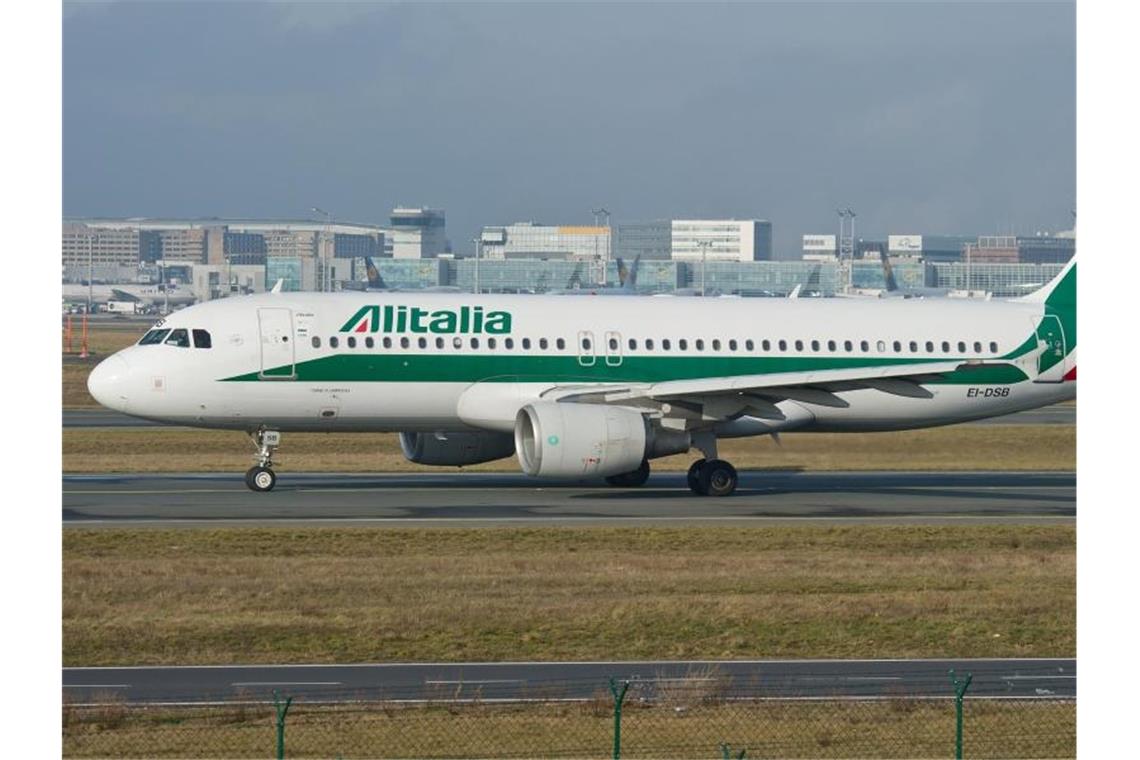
x=435, y=368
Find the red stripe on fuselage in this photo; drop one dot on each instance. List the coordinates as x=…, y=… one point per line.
x=1071, y=374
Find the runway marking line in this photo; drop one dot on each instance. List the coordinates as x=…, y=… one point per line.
x=287, y=683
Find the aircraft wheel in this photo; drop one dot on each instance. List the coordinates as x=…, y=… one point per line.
x=694, y=478
x=631, y=479
x=260, y=479
x=718, y=478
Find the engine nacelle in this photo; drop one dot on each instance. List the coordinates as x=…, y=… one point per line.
x=571, y=440
x=456, y=449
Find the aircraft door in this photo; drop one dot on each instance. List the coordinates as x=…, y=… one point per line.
x=1052, y=362
x=613, y=348
x=277, y=351
x=586, y=349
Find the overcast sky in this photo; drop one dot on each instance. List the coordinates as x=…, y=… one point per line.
x=923, y=117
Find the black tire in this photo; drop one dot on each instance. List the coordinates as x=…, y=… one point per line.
x=718, y=478
x=694, y=477
x=631, y=479
x=260, y=479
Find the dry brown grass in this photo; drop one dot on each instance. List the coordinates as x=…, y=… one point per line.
x=372, y=595
x=782, y=729
x=102, y=341
x=989, y=447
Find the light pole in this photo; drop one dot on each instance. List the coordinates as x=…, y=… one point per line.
x=601, y=212
x=324, y=259
x=705, y=245
x=477, y=242
x=847, y=245
x=90, y=272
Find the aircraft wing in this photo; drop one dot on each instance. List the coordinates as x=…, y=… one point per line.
x=725, y=397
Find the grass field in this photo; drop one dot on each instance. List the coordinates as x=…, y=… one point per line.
x=133, y=597
x=889, y=729
x=989, y=447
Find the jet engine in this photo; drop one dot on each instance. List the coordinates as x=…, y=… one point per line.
x=571, y=440
x=456, y=449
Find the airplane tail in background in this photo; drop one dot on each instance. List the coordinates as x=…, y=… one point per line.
x=888, y=273
x=375, y=281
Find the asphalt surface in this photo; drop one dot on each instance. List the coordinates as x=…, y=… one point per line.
x=494, y=499
x=773, y=679
x=1059, y=414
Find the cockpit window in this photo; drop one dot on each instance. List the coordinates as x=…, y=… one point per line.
x=178, y=338
x=153, y=337
x=201, y=339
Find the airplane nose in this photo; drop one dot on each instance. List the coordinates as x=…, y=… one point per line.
x=107, y=383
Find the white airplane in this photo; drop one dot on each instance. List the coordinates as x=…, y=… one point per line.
x=152, y=295
x=579, y=390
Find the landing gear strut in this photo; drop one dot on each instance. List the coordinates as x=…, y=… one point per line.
x=631, y=479
x=261, y=477
x=710, y=476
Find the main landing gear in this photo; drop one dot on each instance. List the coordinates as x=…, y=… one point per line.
x=710, y=476
x=261, y=477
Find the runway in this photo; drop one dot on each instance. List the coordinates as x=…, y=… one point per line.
x=495, y=499
x=1058, y=414
x=771, y=679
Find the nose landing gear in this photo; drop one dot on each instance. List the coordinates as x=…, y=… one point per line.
x=261, y=477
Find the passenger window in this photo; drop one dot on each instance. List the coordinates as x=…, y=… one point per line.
x=334, y=342
x=831, y=345
x=815, y=345
x=913, y=347
x=613, y=344
x=179, y=338
x=525, y=343
x=848, y=346
x=457, y=342
x=509, y=342
x=560, y=343
x=897, y=347
x=439, y=342
x=490, y=342
x=664, y=344
x=474, y=343
x=700, y=344
x=716, y=344
x=387, y=342
x=881, y=346
x=732, y=345
x=369, y=342
x=351, y=341
x=864, y=345
x=201, y=338
x=404, y=342
x=930, y=346
x=946, y=346
x=782, y=345
x=683, y=344
x=961, y=347
x=977, y=347
x=632, y=344
x=649, y=344
x=316, y=342
x=422, y=342
x=799, y=345
x=993, y=347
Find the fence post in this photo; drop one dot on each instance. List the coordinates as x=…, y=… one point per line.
x=960, y=687
x=726, y=752
x=619, y=697
x=282, y=710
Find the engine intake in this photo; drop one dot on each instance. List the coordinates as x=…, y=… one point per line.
x=456, y=449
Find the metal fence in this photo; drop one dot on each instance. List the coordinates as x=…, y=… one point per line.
x=701, y=716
